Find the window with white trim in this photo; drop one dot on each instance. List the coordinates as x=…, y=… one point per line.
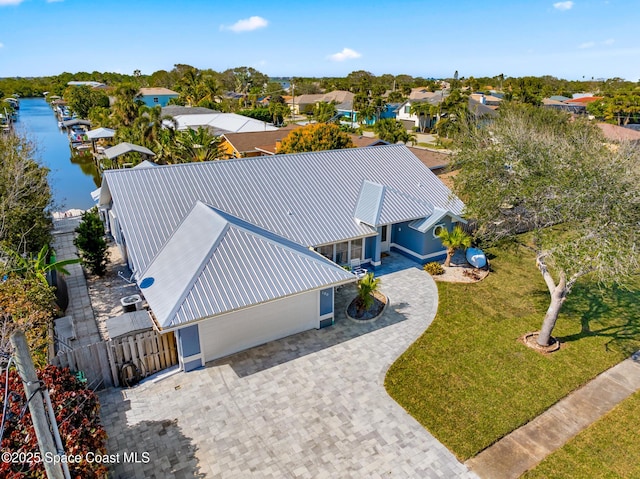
x=437, y=228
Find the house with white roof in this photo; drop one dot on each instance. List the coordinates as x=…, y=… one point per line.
x=220, y=123
x=232, y=254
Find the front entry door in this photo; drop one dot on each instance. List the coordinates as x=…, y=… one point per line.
x=384, y=239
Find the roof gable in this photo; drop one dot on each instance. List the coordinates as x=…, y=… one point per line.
x=228, y=264
x=380, y=205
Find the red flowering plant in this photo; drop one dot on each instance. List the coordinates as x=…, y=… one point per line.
x=77, y=413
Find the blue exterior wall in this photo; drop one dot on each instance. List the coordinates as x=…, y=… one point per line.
x=388, y=112
x=163, y=100
x=369, y=247
x=421, y=243
x=348, y=115
x=326, y=301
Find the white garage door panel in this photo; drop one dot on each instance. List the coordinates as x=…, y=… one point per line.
x=244, y=329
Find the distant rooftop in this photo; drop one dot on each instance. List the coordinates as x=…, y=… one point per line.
x=157, y=91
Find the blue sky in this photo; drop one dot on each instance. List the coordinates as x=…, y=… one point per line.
x=567, y=39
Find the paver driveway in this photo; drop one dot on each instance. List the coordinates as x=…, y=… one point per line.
x=311, y=405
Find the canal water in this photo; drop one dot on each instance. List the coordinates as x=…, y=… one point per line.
x=71, y=179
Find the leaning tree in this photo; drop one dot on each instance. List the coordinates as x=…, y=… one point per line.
x=537, y=170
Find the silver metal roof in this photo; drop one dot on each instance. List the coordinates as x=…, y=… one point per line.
x=101, y=133
x=309, y=198
x=380, y=205
x=123, y=148
x=227, y=264
x=424, y=224
x=74, y=122
x=225, y=122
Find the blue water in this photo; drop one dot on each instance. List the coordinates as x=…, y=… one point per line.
x=71, y=182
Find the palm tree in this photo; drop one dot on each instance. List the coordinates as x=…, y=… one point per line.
x=278, y=112
x=367, y=286
x=393, y=131
x=453, y=240
x=197, y=145
x=424, y=111
x=125, y=108
x=323, y=111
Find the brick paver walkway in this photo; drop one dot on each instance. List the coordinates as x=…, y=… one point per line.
x=79, y=302
x=311, y=405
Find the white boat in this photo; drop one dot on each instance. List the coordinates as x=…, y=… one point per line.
x=476, y=257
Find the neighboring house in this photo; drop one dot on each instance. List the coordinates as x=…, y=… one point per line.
x=156, y=96
x=422, y=93
x=361, y=141
x=175, y=110
x=390, y=111
x=260, y=143
x=575, y=108
x=491, y=101
x=220, y=123
x=343, y=101
x=232, y=254
x=411, y=120
x=620, y=134
x=434, y=160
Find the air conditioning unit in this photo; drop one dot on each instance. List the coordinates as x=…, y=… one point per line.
x=131, y=303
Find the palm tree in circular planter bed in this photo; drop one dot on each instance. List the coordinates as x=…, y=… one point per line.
x=367, y=286
x=453, y=240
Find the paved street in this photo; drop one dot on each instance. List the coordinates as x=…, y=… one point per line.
x=312, y=405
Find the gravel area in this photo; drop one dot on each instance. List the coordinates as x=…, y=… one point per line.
x=106, y=292
x=456, y=272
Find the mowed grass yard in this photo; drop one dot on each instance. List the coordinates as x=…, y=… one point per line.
x=606, y=449
x=469, y=380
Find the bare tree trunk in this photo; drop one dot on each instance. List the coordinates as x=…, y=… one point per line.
x=550, y=318
x=558, y=294
x=447, y=262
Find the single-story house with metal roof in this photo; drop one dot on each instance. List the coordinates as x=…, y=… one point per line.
x=232, y=254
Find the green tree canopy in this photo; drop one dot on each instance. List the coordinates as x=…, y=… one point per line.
x=91, y=243
x=393, y=131
x=323, y=111
x=315, y=137
x=25, y=196
x=83, y=98
x=535, y=169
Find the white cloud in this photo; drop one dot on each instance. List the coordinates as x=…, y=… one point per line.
x=10, y=2
x=1, y=44
x=345, y=54
x=563, y=5
x=587, y=45
x=245, y=25
x=609, y=41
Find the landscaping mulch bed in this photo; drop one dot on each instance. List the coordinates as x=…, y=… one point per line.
x=379, y=302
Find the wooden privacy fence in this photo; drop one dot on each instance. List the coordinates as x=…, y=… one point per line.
x=104, y=363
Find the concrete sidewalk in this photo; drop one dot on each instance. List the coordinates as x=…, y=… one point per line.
x=527, y=446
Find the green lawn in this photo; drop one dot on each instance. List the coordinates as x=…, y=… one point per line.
x=469, y=380
x=606, y=449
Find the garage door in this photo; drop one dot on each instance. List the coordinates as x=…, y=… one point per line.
x=243, y=329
